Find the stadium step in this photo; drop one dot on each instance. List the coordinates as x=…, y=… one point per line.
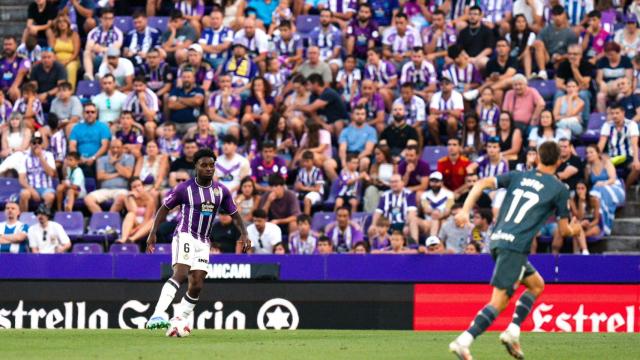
x=13, y=13
x=623, y=244
x=631, y=209
x=11, y=28
x=626, y=227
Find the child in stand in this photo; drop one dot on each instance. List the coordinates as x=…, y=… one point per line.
x=282, y=12
x=488, y=111
x=472, y=137
x=381, y=239
x=349, y=79
x=277, y=76
x=58, y=144
x=303, y=241
x=397, y=245
x=349, y=182
x=73, y=186
x=309, y=183
x=169, y=143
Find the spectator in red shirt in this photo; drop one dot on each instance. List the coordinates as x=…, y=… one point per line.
x=454, y=165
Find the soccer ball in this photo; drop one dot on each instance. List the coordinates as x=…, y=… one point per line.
x=178, y=327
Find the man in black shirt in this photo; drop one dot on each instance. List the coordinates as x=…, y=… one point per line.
x=326, y=102
x=498, y=73
x=570, y=169
x=225, y=233
x=580, y=70
x=185, y=162
x=399, y=132
x=461, y=193
x=629, y=99
x=46, y=76
x=39, y=16
x=477, y=39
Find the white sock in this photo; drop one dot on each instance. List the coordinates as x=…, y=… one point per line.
x=513, y=329
x=187, y=305
x=465, y=339
x=166, y=297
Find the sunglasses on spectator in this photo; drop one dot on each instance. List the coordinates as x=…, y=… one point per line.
x=181, y=180
x=89, y=112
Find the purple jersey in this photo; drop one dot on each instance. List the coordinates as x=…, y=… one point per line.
x=384, y=72
x=373, y=106
x=420, y=76
x=311, y=177
x=9, y=71
x=421, y=171
x=132, y=103
x=362, y=34
x=487, y=169
x=216, y=102
x=204, y=72
x=207, y=142
x=5, y=111
x=327, y=40
x=344, y=239
x=261, y=170
x=342, y=6
x=36, y=176
x=396, y=207
x=400, y=44
x=211, y=36
x=20, y=107
x=157, y=78
x=463, y=76
x=495, y=10
x=286, y=48
x=344, y=188
x=105, y=37
x=278, y=81
x=132, y=137
x=188, y=9
x=199, y=206
x=169, y=146
x=489, y=118
x=448, y=37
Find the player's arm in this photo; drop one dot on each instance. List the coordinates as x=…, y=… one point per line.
x=244, y=237
x=568, y=229
x=489, y=183
x=161, y=216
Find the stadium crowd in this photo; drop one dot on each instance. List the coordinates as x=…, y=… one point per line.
x=340, y=125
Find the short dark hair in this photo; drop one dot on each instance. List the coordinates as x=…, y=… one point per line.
x=557, y=10
x=617, y=106
x=89, y=104
x=401, y=15
x=351, y=156
x=140, y=78
x=53, y=121
x=132, y=180
x=486, y=214
x=475, y=7
x=413, y=148
x=348, y=209
x=285, y=23
x=74, y=155
x=126, y=113
x=454, y=51
x=138, y=13
x=456, y=140
x=268, y=144
x=407, y=85
x=316, y=79
x=276, y=180
x=169, y=124
x=65, y=85
x=302, y=218
x=176, y=14
x=230, y=139
x=107, y=10
x=203, y=153
x=439, y=12
x=549, y=153
x=307, y=155
x=594, y=14
x=325, y=239
x=259, y=214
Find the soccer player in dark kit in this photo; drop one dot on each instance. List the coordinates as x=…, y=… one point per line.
x=531, y=197
x=201, y=198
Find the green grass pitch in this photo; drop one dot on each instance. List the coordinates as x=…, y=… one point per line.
x=301, y=344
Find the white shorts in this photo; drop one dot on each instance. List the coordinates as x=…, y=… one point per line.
x=187, y=250
x=314, y=197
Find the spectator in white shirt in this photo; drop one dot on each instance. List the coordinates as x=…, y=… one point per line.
x=263, y=234
x=47, y=237
x=110, y=101
x=121, y=69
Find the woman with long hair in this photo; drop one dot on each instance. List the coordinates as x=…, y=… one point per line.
x=66, y=45
x=510, y=137
x=605, y=185
x=249, y=140
x=259, y=106
x=247, y=199
x=378, y=178
x=203, y=134
x=568, y=109
x=586, y=209
x=141, y=207
x=472, y=136
x=16, y=136
x=153, y=169
x=278, y=132
x=521, y=39
x=547, y=130
x=318, y=140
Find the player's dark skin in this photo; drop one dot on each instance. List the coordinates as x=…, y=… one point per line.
x=205, y=168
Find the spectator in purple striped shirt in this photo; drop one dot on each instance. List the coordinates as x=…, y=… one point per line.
x=130, y=135
x=143, y=104
x=384, y=75
x=438, y=37
x=309, y=183
x=35, y=175
x=343, y=232
x=99, y=39
x=492, y=164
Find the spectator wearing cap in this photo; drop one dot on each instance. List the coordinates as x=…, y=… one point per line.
x=477, y=39
x=178, y=37
x=113, y=172
x=223, y=108
x=435, y=203
x=99, y=40
x=255, y=40
x=399, y=134
x=453, y=166
x=110, y=101
x=579, y=69
x=121, y=68
x=89, y=138
x=433, y=246
x=267, y=164
x=281, y=205
x=140, y=40
x=36, y=175
x=203, y=71
x=315, y=65
x=240, y=67
x=594, y=38
x=523, y=102
x=144, y=105
x=343, y=232
x=216, y=39
x=325, y=102
x=553, y=41
x=445, y=108
x=185, y=102
x=414, y=171
x=47, y=236
x=263, y=234
x=610, y=69
x=46, y=76
x=13, y=232
x=629, y=37
x=66, y=106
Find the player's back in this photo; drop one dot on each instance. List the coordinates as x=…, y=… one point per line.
x=531, y=198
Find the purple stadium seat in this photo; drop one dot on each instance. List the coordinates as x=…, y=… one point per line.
x=546, y=88
x=431, y=154
x=8, y=188
x=163, y=249
x=306, y=23
x=3, y=216
x=87, y=88
x=124, y=23
x=321, y=220
x=87, y=248
x=360, y=218
x=103, y=226
x=159, y=22
x=124, y=249
x=28, y=218
x=330, y=203
x=592, y=134
x=72, y=222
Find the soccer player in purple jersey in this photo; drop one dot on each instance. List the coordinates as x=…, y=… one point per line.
x=200, y=198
